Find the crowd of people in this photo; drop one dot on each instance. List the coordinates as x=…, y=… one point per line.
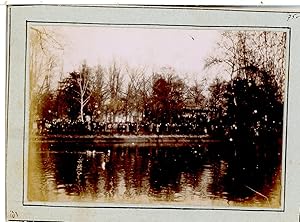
x=66, y=126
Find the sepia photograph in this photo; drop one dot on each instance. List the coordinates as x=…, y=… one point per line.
x=158, y=116
x=152, y=113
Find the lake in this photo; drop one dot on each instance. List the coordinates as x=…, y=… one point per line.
x=203, y=175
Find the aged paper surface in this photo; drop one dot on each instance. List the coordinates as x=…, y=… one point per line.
x=152, y=113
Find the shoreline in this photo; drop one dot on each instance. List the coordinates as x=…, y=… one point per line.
x=128, y=140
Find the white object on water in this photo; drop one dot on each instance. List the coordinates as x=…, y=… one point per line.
x=103, y=165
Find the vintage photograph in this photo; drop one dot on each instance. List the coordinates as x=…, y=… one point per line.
x=156, y=116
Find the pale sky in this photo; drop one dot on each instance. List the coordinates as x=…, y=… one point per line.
x=182, y=49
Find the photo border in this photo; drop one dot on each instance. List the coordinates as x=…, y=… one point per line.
x=286, y=99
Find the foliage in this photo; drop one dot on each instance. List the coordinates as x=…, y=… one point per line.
x=248, y=106
x=252, y=111
x=166, y=102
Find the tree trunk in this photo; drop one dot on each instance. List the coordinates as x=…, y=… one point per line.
x=81, y=108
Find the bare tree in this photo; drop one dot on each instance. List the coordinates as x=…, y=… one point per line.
x=195, y=96
x=45, y=48
x=84, y=83
x=134, y=95
x=114, y=90
x=144, y=94
x=98, y=92
x=128, y=101
x=251, y=55
x=76, y=91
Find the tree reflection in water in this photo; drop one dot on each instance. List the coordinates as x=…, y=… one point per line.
x=145, y=175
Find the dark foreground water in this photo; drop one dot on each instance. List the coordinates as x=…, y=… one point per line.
x=211, y=175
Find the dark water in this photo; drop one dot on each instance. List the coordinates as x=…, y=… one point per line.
x=203, y=175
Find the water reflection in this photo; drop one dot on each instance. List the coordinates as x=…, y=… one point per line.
x=186, y=175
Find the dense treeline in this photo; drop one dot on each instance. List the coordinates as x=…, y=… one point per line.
x=96, y=99
x=245, y=100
